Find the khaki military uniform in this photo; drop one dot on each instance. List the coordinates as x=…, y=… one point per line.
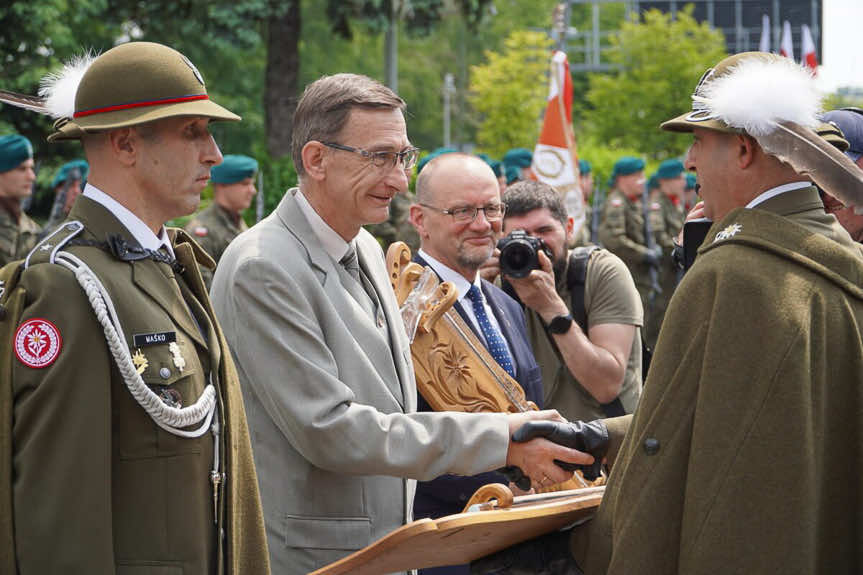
x=665, y=223
x=744, y=453
x=98, y=487
x=622, y=233
x=609, y=297
x=17, y=238
x=214, y=228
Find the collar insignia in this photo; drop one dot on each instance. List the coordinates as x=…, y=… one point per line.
x=728, y=232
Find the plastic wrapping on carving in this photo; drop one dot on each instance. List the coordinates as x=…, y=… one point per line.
x=418, y=301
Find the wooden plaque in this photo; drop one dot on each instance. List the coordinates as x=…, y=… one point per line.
x=462, y=538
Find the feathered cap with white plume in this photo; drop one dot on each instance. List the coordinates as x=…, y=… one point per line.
x=130, y=84
x=774, y=100
x=58, y=89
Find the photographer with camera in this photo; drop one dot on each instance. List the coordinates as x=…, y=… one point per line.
x=583, y=312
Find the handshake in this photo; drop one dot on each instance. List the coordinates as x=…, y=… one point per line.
x=587, y=444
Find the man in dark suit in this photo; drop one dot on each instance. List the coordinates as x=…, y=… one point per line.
x=458, y=216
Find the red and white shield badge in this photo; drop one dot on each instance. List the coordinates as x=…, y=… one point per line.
x=37, y=343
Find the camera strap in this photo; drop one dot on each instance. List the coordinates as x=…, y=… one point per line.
x=576, y=277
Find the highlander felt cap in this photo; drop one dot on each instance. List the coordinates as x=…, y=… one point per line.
x=133, y=84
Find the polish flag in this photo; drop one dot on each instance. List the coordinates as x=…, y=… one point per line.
x=787, y=46
x=554, y=158
x=807, y=46
x=764, y=44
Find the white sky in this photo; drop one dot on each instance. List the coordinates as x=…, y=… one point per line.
x=842, y=51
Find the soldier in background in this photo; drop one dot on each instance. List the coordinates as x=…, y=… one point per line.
x=622, y=227
x=585, y=177
x=666, y=213
x=18, y=233
x=67, y=185
x=218, y=224
x=517, y=162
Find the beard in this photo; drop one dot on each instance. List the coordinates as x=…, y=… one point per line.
x=472, y=258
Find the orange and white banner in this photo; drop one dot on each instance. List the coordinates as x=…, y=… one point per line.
x=554, y=159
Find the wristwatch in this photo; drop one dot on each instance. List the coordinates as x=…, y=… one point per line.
x=560, y=324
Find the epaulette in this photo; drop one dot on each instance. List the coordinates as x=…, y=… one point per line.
x=47, y=249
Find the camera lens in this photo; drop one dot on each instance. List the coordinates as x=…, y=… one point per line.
x=517, y=259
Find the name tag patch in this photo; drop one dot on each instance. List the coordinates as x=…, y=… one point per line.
x=145, y=339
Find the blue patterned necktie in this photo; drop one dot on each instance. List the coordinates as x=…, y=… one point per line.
x=496, y=345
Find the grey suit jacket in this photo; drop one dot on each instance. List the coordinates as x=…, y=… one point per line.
x=330, y=401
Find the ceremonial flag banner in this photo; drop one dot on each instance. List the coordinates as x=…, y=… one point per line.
x=786, y=48
x=807, y=47
x=764, y=43
x=554, y=158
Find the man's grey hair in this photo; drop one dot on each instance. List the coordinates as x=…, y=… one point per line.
x=527, y=195
x=323, y=110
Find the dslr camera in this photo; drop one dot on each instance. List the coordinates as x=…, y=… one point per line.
x=519, y=253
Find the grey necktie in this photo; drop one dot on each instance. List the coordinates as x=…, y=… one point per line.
x=351, y=262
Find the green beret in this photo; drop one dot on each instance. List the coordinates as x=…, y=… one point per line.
x=690, y=181
x=518, y=157
x=63, y=173
x=513, y=173
x=14, y=149
x=234, y=168
x=434, y=154
x=495, y=165
x=653, y=181
x=627, y=165
x=584, y=167
x=670, y=169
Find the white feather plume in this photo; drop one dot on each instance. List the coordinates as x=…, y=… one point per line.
x=58, y=89
x=756, y=95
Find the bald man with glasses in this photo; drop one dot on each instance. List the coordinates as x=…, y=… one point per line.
x=322, y=353
x=458, y=216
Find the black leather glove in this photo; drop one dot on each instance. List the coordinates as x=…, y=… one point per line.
x=653, y=256
x=515, y=475
x=590, y=437
x=545, y=555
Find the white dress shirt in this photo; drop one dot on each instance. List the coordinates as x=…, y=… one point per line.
x=462, y=286
x=139, y=230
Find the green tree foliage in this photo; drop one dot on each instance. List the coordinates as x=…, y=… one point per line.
x=838, y=100
x=660, y=61
x=509, y=92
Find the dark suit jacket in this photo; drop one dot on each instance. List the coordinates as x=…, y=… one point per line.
x=449, y=493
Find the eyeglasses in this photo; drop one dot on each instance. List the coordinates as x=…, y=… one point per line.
x=407, y=157
x=465, y=214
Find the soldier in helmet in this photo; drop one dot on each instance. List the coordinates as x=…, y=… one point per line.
x=18, y=233
x=752, y=408
x=118, y=395
x=220, y=222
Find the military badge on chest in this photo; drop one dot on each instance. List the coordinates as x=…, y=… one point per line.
x=169, y=396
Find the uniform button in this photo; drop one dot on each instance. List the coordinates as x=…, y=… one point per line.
x=651, y=446
x=380, y=319
x=165, y=373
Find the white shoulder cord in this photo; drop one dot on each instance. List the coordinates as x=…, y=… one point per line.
x=169, y=418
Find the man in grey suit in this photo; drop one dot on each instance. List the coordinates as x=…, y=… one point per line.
x=323, y=357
